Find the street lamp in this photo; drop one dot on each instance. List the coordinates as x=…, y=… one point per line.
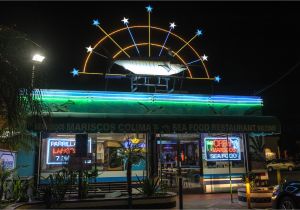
x=36, y=60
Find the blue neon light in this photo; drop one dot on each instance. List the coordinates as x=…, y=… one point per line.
x=96, y=22
x=125, y=20
x=165, y=41
x=75, y=72
x=199, y=32
x=193, y=61
x=149, y=8
x=217, y=78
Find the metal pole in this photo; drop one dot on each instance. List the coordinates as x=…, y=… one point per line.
x=160, y=157
x=32, y=76
x=247, y=171
x=278, y=171
x=245, y=153
x=80, y=189
x=39, y=161
x=229, y=169
x=180, y=193
x=179, y=175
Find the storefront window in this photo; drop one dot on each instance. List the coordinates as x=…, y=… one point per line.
x=104, y=151
x=223, y=160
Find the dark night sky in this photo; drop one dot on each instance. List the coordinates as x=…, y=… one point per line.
x=249, y=44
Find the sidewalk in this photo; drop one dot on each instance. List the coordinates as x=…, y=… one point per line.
x=210, y=201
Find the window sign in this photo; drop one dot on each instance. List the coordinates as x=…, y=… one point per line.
x=59, y=150
x=218, y=148
x=7, y=160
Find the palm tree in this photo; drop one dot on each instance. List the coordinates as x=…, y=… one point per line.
x=257, y=146
x=18, y=99
x=132, y=152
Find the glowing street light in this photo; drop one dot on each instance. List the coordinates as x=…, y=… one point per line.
x=37, y=58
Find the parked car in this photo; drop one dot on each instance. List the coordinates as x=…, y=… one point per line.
x=286, y=196
x=281, y=164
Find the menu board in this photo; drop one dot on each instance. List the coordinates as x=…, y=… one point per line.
x=59, y=150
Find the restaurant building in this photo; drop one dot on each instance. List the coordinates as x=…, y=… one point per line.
x=210, y=132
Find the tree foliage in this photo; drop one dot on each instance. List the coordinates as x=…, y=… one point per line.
x=18, y=99
x=257, y=147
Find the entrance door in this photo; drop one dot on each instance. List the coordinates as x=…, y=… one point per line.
x=180, y=153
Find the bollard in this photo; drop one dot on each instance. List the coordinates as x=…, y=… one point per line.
x=180, y=194
x=248, y=193
x=278, y=176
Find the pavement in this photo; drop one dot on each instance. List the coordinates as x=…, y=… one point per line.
x=210, y=201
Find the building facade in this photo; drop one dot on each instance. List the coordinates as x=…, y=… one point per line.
x=205, y=135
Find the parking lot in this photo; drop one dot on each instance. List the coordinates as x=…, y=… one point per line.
x=285, y=175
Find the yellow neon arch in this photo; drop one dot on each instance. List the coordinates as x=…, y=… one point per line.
x=142, y=26
x=156, y=45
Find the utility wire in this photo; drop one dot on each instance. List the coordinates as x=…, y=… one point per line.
x=278, y=80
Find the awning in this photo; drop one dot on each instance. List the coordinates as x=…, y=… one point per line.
x=190, y=124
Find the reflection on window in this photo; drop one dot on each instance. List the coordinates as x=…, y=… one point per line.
x=104, y=150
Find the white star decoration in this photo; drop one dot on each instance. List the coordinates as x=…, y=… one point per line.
x=204, y=57
x=172, y=25
x=125, y=20
x=89, y=49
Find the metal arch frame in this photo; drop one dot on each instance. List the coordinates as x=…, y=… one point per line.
x=152, y=27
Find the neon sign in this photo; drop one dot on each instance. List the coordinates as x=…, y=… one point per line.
x=7, y=160
x=59, y=150
x=218, y=148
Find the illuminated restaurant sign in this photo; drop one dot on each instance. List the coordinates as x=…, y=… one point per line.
x=7, y=160
x=59, y=150
x=218, y=148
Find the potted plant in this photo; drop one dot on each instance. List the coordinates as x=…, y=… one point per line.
x=149, y=186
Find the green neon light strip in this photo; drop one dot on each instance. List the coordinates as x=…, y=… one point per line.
x=122, y=101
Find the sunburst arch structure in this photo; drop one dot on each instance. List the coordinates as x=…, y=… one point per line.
x=160, y=68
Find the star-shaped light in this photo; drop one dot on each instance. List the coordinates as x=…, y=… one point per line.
x=204, y=57
x=89, y=48
x=74, y=72
x=96, y=22
x=125, y=20
x=199, y=32
x=172, y=25
x=217, y=78
x=149, y=8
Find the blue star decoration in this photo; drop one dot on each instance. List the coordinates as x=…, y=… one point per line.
x=217, y=78
x=199, y=32
x=149, y=8
x=74, y=72
x=96, y=22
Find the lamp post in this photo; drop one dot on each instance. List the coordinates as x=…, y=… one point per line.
x=37, y=58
